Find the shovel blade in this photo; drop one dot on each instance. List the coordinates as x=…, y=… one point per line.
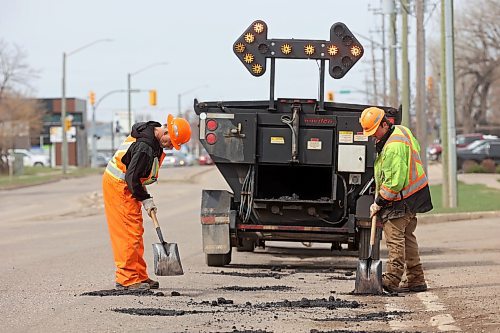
x=369, y=277
x=167, y=261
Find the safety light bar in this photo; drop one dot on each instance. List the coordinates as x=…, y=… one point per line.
x=342, y=51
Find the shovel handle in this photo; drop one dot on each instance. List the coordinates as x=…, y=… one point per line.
x=373, y=230
x=157, y=226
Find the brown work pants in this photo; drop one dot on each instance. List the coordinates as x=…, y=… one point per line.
x=403, y=249
x=124, y=216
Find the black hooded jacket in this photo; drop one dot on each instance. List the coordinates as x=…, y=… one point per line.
x=140, y=156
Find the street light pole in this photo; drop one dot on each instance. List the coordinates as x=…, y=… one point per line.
x=64, y=143
x=179, y=96
x=129, y=85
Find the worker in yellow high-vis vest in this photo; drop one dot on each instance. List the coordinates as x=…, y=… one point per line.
x=402, y=190
x=136, y=164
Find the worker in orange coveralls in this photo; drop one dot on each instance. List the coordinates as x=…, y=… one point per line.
x=134, y=165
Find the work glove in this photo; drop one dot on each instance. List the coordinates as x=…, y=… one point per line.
x=374, y=209
x=149, y=206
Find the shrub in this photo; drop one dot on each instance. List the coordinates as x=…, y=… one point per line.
x=470, y=166
x=498, y=169
x=488, y=166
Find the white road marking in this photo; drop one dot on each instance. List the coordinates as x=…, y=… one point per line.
x=443, y=322
x=396, y=324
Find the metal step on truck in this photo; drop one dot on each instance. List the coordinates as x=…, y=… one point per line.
x=300, y=170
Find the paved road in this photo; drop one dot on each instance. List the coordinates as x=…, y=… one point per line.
x=55, y=247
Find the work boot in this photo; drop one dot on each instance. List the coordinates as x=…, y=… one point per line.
x=135, y=286
x=415, y=288
x=391, y=287
x=152, y=283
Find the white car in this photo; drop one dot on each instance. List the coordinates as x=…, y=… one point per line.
x=32, y=159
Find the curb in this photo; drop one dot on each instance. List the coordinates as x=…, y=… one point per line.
x=451, y=217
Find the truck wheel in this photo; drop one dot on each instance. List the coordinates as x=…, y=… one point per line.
x=218, y=260
x=247, y=245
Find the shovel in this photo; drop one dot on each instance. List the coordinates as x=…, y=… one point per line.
x=369, y=272
x=167, y=261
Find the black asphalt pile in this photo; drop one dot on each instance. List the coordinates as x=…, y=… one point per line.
x=330, y=303
x=374, y=316
x=247, y=331
x=115, y=292
x=157, y=312
x=252, y=275
x=348, y=331
x=265, y=288
x=342, y=277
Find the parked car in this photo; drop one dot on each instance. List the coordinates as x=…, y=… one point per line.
x=205, y=159
x=102, y=159
x=175, y=158
x=479, y=151
x=434, y=150
x=31, y=158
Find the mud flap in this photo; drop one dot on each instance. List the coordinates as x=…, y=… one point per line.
x=215, y=220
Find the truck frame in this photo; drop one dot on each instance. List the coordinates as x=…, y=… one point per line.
x=299, y=169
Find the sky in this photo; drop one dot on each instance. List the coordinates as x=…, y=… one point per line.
x=194, y=37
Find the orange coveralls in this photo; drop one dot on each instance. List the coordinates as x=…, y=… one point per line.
x=124, y=216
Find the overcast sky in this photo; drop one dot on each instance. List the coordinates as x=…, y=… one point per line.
x=195, y=37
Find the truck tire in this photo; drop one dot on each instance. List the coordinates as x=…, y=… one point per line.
x=364, y=243
x=218, y=260
x=247, y=245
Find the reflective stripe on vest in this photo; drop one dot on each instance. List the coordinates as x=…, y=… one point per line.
x=415, y=181
x=117, y=169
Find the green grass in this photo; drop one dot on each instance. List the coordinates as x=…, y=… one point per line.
x=42, y=175
x=471, y=198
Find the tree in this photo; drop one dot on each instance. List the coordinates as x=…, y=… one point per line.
x=477, y=64
x=19, y=113
x=477, y=47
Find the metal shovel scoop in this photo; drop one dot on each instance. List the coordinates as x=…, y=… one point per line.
x=369, y=272
x=167, y=261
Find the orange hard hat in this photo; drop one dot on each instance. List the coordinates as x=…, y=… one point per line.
x=179, y=131
x=370, y=120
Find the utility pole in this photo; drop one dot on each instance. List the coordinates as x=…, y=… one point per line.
x=450, y=103
x=405, y=87
x=374, y=72
x=420, y=108
x=444, y=116
x=384, y=69
x=393, y=66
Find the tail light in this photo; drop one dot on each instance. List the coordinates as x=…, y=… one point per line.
x=212, y=124
x=211, y=138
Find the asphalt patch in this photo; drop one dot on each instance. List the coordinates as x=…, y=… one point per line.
x=330, y=303
x=252, y=275
x=265, y=288
x=348, y=331
x=115, y=292
x=156, y=312
x=374, y=316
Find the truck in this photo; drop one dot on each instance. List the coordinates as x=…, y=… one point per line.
x=299, y=169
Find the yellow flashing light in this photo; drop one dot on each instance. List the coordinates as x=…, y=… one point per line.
x=258, y=28
x=309, y=49
x=240, y=47
x=286, y=48
x=257, y=68
x=249, y=38
x=248, y=58
x=355, y=50
x=333, y=50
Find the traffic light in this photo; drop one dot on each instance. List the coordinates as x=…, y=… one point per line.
x=152, y=97
x=92, y=98
x=330, y=96
x=68, y=122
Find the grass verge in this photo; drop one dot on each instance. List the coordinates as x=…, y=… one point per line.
x=42, y=175
x=471, y=198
